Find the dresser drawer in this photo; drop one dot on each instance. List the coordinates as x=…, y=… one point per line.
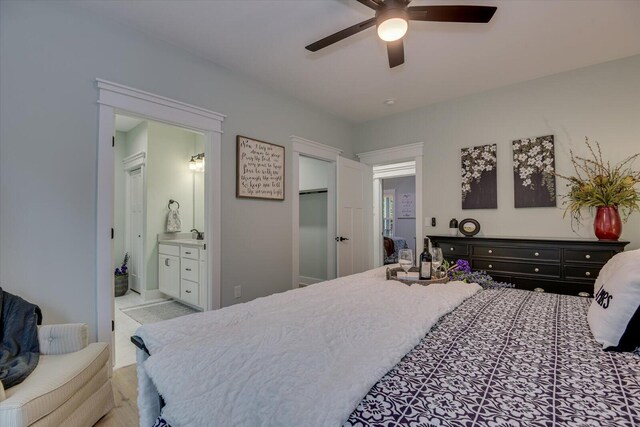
x=454, y=248
x=530, y=269
x=553, y=287
x=585, y=255
x=189, y=252
x=516, y=252
x=586, y=272
x=190, y=269
x=189, y=292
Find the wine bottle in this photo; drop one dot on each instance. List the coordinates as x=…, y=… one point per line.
x=425, y=261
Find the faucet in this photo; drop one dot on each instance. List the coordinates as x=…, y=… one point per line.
x=199, y=234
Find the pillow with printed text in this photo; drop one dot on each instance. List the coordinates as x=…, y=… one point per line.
x=614, y=315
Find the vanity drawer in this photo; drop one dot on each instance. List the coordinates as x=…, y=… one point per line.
x=454, y=248
x=586, y=272
x=549, y=270
x=584, y=255
x=190, y=269
x=189, y=252
x=189, y=292
x=169, y=249
x=514, y=252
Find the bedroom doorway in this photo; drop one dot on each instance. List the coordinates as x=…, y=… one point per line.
x=398, y=216
x=391, y=163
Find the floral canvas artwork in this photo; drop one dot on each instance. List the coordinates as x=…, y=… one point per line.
x=534, y=176
x=479, y=177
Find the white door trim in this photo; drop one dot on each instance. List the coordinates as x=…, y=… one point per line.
x=387, y=156
x=306, y=147
x=112, y=98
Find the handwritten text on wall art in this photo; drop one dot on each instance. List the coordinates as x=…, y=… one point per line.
x=260, y=169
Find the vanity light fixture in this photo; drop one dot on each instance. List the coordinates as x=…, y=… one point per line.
x=196, y=164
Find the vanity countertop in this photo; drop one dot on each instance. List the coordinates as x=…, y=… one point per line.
x=190, y=242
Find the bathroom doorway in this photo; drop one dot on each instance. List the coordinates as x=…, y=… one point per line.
x=159, y=192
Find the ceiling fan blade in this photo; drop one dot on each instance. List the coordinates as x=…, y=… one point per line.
x=477, y=14
x=373, y=4
x=336, y=37
x=395, y=50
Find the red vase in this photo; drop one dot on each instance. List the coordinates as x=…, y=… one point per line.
x=607, y=225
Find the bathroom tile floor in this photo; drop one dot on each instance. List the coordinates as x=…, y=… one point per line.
x=125, y=327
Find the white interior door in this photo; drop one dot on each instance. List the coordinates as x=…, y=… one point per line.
x=354, y=217
x=136, y=233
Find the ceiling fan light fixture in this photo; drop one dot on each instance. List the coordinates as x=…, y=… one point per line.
x=392, y=23
x=393, y=29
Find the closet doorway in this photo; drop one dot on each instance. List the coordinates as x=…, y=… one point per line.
x=315, y=190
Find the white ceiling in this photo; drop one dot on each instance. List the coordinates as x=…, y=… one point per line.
x=265, y=40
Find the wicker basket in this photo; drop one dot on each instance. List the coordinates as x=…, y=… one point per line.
x=392, y=274
x=121, y=285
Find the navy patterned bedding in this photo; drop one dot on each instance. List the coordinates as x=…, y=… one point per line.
x=507, y=358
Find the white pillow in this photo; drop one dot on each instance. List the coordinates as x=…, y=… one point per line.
x=614, y=315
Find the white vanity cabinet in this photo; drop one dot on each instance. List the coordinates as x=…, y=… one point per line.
x=182, y=272
x=169, y=270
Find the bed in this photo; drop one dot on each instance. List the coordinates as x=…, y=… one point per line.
x=500, y=357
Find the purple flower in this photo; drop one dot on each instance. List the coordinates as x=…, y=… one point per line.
x=463, y=265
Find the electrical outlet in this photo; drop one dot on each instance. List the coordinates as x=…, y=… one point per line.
x=237, y=291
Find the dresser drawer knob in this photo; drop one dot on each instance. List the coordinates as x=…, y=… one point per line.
x=537, y=254
x=584, y=294
x=587, y=256
x=451, y=249
x=538, y=290
x=588, y=273
x=536, y=269
x=490, y=251
x=490, y=265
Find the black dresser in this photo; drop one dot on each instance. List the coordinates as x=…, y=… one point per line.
x=563, y=266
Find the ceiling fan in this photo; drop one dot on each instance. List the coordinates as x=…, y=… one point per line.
x=391, y=20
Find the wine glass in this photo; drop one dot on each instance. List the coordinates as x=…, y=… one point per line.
x=436, y=257
x=405, y=258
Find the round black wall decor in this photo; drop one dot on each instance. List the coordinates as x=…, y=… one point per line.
x=469, y=227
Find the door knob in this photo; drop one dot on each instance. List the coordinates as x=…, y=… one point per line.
x=341, y=239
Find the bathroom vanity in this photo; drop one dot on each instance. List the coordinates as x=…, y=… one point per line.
x=182, y=270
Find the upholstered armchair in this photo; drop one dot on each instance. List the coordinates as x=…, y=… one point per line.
x=69, y=387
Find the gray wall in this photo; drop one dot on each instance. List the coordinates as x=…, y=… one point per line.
x=403, y=227
x=601, y=101
x=51, y=54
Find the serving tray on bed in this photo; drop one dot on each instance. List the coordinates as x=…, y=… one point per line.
x=392, y=274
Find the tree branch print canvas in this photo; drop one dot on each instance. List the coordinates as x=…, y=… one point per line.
x=479, y=177
x=534, y=179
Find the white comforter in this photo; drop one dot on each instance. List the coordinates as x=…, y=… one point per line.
x=300, y=358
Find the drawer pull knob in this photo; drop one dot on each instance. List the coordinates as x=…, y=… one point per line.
x=584, y=294
x=188, y=269
x=588, y=273
x=536, y=269
x=490, y=251
x=188, y=253
x=490, y=265
x=451, y=249
x=538, y=290
x=537, y=254
x=188, y=291
x=587, y=256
